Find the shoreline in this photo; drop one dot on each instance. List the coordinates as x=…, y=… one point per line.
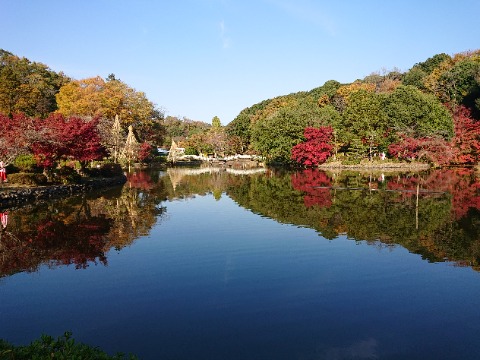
x=376, y=166
x=13, y=196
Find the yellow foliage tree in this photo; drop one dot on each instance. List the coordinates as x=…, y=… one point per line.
x=95, y=96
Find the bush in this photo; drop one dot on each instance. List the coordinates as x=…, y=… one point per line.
x=191, y=151
x=66, y=175
x=27, y=179
x=62, y=348
x=351, y=161
x=26, y=163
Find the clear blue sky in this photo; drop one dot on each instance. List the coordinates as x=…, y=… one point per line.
x=206, y=58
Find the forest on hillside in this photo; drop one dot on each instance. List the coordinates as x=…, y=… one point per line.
x=429, y=113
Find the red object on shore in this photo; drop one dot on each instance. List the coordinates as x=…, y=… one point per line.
x=3, y=173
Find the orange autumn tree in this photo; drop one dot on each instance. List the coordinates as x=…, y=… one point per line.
x=109, y=98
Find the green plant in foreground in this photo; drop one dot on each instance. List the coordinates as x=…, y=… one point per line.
x=62, y=348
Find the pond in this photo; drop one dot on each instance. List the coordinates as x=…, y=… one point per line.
x=210, y=263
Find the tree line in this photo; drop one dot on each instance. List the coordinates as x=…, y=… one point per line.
x=428, y=113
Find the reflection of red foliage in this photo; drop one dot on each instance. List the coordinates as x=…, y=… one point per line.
x=406, y=185
x=461, y=183
x=140, y=180
x=316, y=148
x=55, y=242
x=311, y=181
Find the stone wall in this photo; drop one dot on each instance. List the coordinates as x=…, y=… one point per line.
x=14, y=196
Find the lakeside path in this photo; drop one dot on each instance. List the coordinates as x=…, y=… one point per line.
x=13, y=195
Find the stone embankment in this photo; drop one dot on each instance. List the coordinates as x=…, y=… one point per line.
x=11, y=196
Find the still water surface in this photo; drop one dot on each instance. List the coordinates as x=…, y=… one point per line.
x=214, y=265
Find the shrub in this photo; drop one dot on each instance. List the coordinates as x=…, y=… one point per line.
x=190, y=151
x=33, y=179
x=351, y=161
x=66, y=175
x=26, y=163
x=62, y=348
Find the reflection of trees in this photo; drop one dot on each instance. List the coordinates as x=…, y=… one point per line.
x=184, y=182
x=53, y=240
x=435, y=214
x=80, y=230
x=134, y=210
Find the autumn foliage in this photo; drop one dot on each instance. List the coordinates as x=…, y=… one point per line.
x=435, y=150
x=467, y=137
x=317, y=147
x=51, y=139
x=315, y=185
x=463, y=149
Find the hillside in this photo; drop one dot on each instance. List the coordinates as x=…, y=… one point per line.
x=370, y=115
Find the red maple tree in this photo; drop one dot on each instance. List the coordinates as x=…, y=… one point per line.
x=317, y=147
x=72, y=138
x=433, y=149
x=467, y=137
x=145, y=151
x=17, y=135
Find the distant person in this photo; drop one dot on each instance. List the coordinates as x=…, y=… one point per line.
x=4, y=219
x=3, y=172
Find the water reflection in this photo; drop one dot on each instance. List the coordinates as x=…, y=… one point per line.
x=79, y=231
x=434, y=214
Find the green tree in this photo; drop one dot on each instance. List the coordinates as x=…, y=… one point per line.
x=329, y=88
x=417, y=114
x=216, y=122
x=241, y=126
x=432, y=63
x=239, y=129
x=364, y=119
x=415, y=77
x=420, y=73
x=275, y=136
x=459, y=85
x=181, y=129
